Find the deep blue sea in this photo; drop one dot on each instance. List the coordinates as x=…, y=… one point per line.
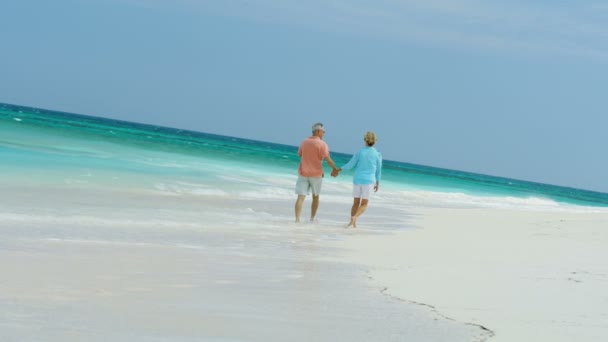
x=44, y=147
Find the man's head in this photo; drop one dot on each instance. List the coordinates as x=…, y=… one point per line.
x=370, y=138
x=317, y=129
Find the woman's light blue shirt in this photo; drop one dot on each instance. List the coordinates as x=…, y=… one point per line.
x=367, y=163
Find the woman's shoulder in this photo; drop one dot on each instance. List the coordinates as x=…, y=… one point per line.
x=376, y=152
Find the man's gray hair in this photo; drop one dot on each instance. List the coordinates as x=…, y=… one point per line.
x=316, y=127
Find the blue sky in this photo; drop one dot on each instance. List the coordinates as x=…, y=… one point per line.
x=509, y=88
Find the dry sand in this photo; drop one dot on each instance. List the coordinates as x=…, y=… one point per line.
x=523, y=275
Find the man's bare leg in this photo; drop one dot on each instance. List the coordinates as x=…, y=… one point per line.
x=298, y=207
x=314, y=207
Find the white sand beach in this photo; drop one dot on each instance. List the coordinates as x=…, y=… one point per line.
x=94, y=264
x=524, y=275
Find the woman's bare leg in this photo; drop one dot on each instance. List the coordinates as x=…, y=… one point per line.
x=359, y=212
x=353, y=212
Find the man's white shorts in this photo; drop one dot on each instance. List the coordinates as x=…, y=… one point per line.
x=363, y=191
x=305, y=185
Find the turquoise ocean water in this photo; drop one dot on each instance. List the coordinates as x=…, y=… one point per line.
x=118, y=231
x=43, y=147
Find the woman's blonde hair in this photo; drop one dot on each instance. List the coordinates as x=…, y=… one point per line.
x=370, y=138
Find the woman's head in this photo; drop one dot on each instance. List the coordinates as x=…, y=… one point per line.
x=370, y=138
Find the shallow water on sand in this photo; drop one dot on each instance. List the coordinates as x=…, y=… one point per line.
x=108, y=265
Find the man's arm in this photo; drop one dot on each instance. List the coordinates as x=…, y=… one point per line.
x=331, y=163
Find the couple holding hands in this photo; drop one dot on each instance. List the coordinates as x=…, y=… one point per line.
x=367, y=163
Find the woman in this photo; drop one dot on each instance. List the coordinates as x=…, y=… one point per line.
x=367, y=163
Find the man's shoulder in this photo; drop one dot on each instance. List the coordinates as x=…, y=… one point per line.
x=306, y=141
x=313, y=141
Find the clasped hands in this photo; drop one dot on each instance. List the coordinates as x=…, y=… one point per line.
x=335, y=172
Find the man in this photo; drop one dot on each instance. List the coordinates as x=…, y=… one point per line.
x=312, y=151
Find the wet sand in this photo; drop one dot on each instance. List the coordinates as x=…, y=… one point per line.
x=139, y=266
